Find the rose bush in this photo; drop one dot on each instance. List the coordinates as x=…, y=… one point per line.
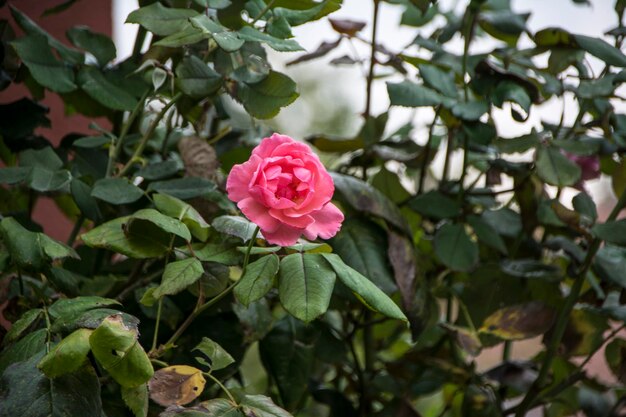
x=286, y=191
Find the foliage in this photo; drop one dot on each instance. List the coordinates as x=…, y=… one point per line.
x=166, y=301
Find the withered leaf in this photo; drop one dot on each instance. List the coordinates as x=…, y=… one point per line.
x=176, y=385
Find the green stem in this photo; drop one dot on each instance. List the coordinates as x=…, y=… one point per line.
x=48, y=326
x=446, y=162
x=468, y=39
x=141, y=37
x=370, y=75
x=75, y=230
x=156, y=326
x=117, y=145
x=564, y=314
x=217, y=381
x=146, y=136
x=420, y=187
x=201, y=308
x=262, y=13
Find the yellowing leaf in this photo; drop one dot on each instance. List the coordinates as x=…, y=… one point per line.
x=176, y=385
x=521, y=321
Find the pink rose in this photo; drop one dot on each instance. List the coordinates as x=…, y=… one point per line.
x=286, y=191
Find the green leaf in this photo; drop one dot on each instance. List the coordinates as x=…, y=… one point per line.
x=261, y=406
x=583, y=204
x=235, y=226
x=163, y=222
x=367, y=292
x=364, y=245
x=196, y=79
x=14, y=175
x=43, y=180
x=105, y=91
x=29, y=249
x=610, y=264
x=389, y=184
x=470, y=110
x=454, y=248
x=116, y=191
x=531, y=268
x=612, y=232
x=92, y=141
x=615, y=355
x=51, y=73
x=288, y=354
x=89, y=319
x=31, y=28
x=88, y=205
x=161, y=20
x=44, y=158
x=584, y=333
x=518, y=144
x=264, y=99
x=136, y=399
x=99, y=45
x=68, y=356
x=602, y=50
x=23, y=349
x=363, y=197
x=179, y=275
x=220, y=359
x=520, y=321
x=440, y=80
x=257, y=280
x=249, y=33
x=70, y=307
x=160, y=170
x=54, y=249
x=22, y=244
x=188, y=35
x=435, y=205
x=328, y=143
x=227, y=40
x=183, y=188
x=216, y=252
x=555, y=169
x=305, y=285
x=22, y=324
x=409, y=94
x=25, y=391
x=178, y=209
x=116, y=348
x=487, y=234
x=135, y=243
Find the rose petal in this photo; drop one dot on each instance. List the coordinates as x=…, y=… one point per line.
x=238, y=181
x=267, y=145
x=300, y=221
x=327, y=223
x=283, y=236
x=258, y=214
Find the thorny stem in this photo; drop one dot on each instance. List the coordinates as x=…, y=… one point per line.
x=200, y=308
x=563, y=317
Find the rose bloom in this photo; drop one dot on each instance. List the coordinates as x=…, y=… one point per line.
x=286, y=191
